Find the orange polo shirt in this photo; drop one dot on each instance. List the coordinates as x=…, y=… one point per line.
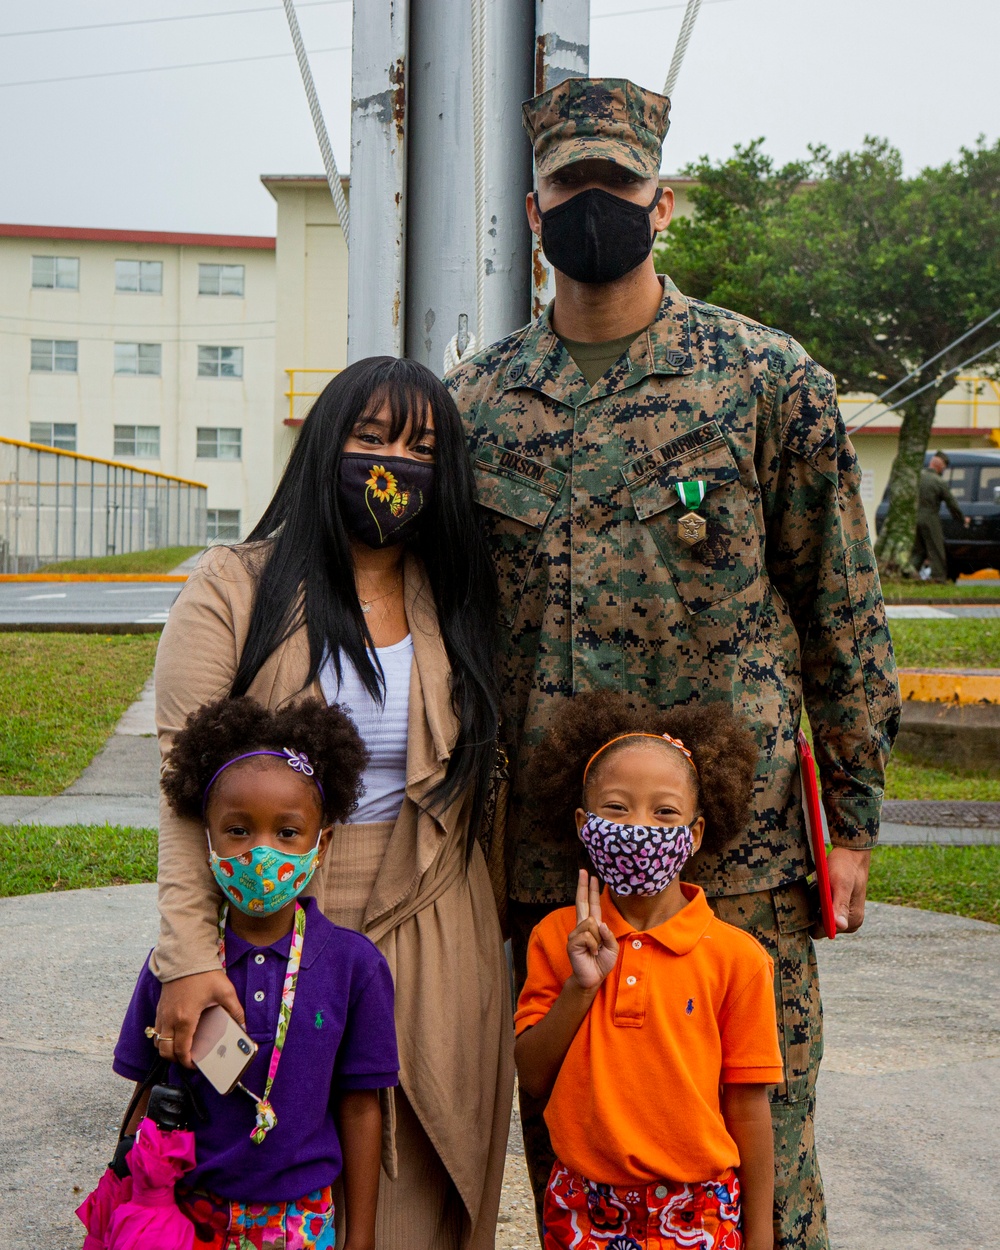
x=689, y=1005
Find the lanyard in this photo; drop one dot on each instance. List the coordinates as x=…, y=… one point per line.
x=266, y=1117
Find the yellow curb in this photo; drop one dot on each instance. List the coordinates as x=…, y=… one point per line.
x=944, y=685
x=93, y=577
x=984, y=575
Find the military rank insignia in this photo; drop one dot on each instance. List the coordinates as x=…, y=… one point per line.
x=691, y=528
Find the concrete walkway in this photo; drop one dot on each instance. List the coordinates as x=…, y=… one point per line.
x=909, y=1095
x=120, y=786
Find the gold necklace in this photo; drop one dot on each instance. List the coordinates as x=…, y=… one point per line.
x=368, y=604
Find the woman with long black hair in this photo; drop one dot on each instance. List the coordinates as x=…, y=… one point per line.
x=367, y=582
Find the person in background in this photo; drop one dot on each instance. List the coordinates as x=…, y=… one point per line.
x=932, y=492
x=367, y=583
x=674, y=510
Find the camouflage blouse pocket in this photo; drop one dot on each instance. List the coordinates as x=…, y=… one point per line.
x=517, y=495
x=728, y=558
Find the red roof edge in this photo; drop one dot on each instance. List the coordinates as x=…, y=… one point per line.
x=264, y=243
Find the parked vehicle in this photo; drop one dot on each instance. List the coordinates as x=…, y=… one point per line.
x=974, y=479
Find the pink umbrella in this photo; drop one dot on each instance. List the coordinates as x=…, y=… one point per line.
x=151, y=1219
x=98, y=1207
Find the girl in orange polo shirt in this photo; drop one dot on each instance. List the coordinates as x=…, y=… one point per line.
x=647, y=1023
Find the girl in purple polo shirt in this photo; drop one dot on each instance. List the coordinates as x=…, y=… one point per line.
x=318, y=1000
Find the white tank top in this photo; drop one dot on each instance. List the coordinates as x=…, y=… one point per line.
x=383, y=727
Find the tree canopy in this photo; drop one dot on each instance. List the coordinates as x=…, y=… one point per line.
x=873, y=272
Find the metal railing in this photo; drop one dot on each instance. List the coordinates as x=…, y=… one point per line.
x=300, y=401
x=60, y=505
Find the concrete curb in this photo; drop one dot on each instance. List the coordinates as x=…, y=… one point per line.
x=892, y=834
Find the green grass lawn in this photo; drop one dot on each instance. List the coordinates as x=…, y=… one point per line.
x=929, y=592
x=908, y=779
x=947, y=644
x=35, y=859
x=962, y=880
x=61, y=696
x=159, y=560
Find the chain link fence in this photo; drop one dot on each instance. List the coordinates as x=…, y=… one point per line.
x=60, y=505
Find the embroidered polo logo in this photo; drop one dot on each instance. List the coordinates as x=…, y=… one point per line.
x=319, y=1019
x=689, y=1009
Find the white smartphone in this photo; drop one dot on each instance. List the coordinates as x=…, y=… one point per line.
x=221, y=1050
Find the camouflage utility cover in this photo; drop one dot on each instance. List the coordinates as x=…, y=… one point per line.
x=597, y=119
x=781, y=599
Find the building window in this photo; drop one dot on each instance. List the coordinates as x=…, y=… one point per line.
x=138, y=358
x=138, y=440
x=220, y=362
x=223, y=525
x=144, y=276
x=220, y=280
x=58, y=273
x=53, y=355
x=53, y=434
x=219, y=444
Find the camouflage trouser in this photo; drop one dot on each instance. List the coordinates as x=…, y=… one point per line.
x=780, y=920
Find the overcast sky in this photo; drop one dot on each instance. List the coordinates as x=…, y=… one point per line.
x=183, y=149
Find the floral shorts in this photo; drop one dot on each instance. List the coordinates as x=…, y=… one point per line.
x=219, y=1224
x=582, y=1215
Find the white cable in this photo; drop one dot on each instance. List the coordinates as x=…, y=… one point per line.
x=926, y=387
x=479, y=154
x=921, y=367
x=329, y=164
x=683, y=39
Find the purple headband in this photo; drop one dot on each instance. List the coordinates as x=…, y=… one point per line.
x=294, y=759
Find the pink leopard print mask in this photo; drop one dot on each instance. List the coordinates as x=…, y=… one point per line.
x=636, y=859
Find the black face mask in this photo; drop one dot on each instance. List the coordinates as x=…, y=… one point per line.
x=382, y=497
x=597, y=236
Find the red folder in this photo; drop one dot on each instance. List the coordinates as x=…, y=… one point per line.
x=814, y=827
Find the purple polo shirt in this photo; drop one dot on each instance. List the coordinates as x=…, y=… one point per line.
x=341, y=1036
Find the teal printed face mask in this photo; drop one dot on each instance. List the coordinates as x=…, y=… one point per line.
x=263, y=880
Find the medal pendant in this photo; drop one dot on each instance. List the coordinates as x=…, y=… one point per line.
x=691, y=529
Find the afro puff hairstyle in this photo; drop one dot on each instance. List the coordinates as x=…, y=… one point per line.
x=724, y=750
x=219, y=732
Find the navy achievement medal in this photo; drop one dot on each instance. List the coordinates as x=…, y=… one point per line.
x=691, y=528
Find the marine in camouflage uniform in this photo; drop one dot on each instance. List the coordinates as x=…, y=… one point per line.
x=779, y=606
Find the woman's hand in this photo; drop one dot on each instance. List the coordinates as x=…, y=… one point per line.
x=592, y=948
x=181, y=1004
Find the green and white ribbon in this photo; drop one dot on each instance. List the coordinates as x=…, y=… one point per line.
x=691, y=494
x=266, y=1117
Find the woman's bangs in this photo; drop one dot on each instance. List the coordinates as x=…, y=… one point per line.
x=409, y=404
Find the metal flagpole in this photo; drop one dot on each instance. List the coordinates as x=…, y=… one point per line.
x=562, y=50
x=377, y=257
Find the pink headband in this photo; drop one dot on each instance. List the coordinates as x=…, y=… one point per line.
x=674, y=742
x=294, y=759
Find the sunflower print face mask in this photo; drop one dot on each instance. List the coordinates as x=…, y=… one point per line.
x=382, y=499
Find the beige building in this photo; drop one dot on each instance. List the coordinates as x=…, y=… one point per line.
x=150, y=348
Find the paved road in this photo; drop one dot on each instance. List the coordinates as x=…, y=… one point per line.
x=909, y=1096
x=87, y=603
x=948, y=612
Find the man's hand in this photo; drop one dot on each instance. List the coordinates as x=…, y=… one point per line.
x=181, y=1004
x=848, y=884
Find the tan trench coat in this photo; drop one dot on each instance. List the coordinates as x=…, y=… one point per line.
x=434, y=921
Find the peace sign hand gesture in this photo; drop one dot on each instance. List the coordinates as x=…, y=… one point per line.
x=591, y=947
